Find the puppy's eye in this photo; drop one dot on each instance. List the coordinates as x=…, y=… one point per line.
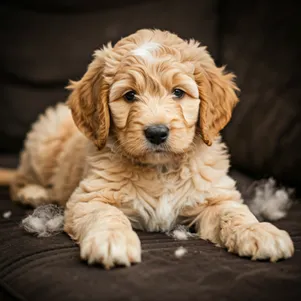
x=178, y=93
x=130, y=96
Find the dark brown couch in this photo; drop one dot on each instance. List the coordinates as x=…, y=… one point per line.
x=43, y=44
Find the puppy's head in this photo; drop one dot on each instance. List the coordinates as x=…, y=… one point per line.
x=155, y=92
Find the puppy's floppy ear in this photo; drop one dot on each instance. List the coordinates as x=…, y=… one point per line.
x=89, y=101
x=218, y=98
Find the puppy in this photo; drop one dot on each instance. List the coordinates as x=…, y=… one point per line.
x=139, y=148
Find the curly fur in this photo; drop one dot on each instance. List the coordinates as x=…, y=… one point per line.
x=96, y=161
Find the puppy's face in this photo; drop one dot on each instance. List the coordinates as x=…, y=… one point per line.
x=154, y=104
x=155, y=92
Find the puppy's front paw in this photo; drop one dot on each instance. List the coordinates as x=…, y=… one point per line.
x=261, y=241
x=111, y=247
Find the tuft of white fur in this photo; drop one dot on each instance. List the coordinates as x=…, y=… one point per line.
x=46, y=220
x=7, y=214
x=181, y=232
x=269, y=202
x=180, y=252
x=145, y=49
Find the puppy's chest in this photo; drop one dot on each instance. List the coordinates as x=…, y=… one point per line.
x=154, y=199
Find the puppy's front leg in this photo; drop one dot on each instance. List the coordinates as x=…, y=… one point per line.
x=103, y=232
x=232, y=225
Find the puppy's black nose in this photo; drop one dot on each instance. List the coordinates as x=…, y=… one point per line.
x=156, y=134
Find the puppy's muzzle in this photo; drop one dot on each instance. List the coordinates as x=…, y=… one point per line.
x=156, y=134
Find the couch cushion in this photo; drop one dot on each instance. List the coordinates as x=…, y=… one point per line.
x=262, y=44
x=50, y=269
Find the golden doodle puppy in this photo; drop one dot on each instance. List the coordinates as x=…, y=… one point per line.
x=139, y=148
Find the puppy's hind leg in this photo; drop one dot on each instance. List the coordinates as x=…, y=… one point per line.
x=33, y=195
x=25, y=187
x=33, y=183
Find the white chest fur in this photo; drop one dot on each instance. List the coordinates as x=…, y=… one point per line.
x=154, y=197
x=161, y=217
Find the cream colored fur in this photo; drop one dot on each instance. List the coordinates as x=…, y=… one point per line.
x=112, y=182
